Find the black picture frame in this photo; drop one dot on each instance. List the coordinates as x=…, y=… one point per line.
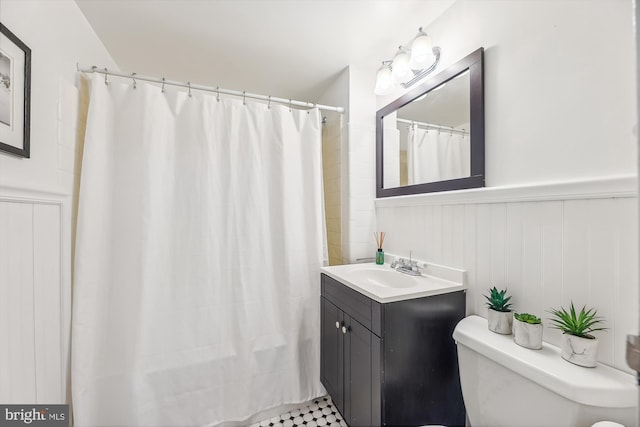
x=15, y=94
x=474, y=64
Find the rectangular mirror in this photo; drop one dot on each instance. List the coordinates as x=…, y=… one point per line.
x=432, y=138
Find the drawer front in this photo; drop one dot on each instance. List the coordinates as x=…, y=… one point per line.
x=351, y=302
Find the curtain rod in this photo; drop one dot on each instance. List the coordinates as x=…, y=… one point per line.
x=446, y=128
x=94, y=69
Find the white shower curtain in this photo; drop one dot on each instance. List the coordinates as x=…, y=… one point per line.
x=199, y=240
x=434, y=155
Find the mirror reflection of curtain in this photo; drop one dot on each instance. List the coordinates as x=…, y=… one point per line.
x=434, y=155
x=391, y=157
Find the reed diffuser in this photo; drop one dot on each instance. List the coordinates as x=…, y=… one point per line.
x=379, y=242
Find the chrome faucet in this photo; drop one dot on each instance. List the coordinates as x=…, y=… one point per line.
x=406, y=266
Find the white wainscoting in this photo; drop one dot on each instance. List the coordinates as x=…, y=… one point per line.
x=583, y=248
x=34, y=296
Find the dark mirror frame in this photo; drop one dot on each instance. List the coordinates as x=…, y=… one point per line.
x=473, y=62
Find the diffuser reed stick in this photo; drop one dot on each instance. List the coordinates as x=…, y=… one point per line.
x=379, y=238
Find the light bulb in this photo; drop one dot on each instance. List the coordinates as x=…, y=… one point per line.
x=421, y=51
x=383, y=80
x=400, y=67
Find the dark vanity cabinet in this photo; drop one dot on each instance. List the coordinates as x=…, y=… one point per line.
x=391, y=364
x=351, y=365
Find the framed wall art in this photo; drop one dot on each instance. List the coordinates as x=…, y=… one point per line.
x=15, y=94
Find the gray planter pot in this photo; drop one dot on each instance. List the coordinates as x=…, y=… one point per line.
x=579, y=351
x=527, y=335
x=500, y=322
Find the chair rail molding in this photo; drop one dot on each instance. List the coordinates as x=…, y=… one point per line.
x=593, y=188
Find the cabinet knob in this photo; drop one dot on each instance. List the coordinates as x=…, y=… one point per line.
x=337, y=325
x=344, y=329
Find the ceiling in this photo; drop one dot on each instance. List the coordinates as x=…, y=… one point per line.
x=284, y=48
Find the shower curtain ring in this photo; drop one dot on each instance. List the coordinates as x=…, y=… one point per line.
x=189, y=84
x=162, y=89
x=269, y=103
x=218, y=93
x=133, y=77
x=289, y=104
x=244, y=97
x=106, y=74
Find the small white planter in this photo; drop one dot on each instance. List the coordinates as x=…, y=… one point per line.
x=527, y=334
x=500, y=322
x=579, y=351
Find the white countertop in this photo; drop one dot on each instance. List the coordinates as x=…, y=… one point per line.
x=383, y=284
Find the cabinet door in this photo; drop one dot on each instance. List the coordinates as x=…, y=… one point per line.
x=362, y=375
x=331, y=353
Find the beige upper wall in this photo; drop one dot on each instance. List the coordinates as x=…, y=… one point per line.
x=58, y=35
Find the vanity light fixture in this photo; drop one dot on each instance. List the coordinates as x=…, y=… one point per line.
x=409, y=65
x=400, y=69
x=384, y=79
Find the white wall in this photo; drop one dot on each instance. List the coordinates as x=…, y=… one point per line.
x=59, y=36
x=560, y=107
x=547, y=249
x=359, y=222
x=32, y=300
x=36, y=201
x=559, y=84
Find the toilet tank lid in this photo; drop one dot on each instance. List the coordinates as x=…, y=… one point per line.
x=600, y=386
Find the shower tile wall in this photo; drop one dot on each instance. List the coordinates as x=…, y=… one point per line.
x=351, y=139
x=547, y=254
x=349, y=190
x=331, y=163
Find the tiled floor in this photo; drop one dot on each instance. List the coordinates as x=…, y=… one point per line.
x=320, y=413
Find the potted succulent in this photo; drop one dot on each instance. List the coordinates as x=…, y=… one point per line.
x=578, y=345
x=500, y=319
x=527, y=330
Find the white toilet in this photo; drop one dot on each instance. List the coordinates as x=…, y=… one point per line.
x=504, y=384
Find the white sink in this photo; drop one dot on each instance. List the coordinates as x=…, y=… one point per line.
x=383, y=284
x=385, y=278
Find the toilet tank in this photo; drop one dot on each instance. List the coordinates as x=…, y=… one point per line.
x=504, y=384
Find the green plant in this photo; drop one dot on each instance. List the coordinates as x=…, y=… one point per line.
x=579, y=324
x=498, y=301
x=527, y=318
